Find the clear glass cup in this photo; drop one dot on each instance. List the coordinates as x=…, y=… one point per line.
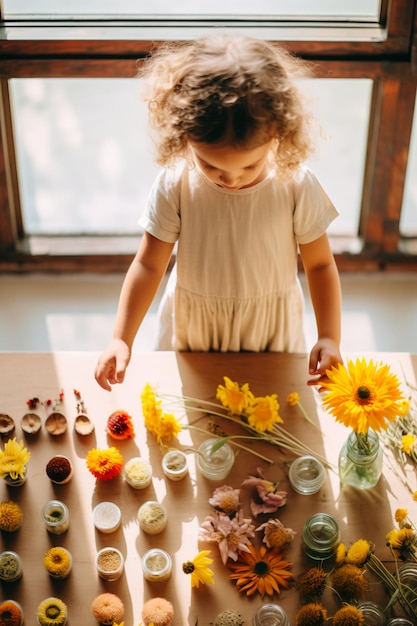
x=400, y=621
x=55, y=515
x=156, y=565
x=215, y=465
x=306, y=475
x=270, y=615
x=373, y=614
x=358, y=467
x=10, y=566
x=321, y=536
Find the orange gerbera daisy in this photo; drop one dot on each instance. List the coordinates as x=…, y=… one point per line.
x=263, y=571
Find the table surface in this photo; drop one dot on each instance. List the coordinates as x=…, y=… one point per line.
x=360, y=514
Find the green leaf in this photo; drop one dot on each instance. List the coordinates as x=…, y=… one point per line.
x=216, y=446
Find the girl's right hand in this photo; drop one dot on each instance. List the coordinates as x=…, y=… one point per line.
x=112, y=364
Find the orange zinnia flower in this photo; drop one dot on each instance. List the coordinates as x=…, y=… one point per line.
x=263, y=570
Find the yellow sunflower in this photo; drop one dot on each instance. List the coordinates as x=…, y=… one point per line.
x=363, y=395
x=263, y=571
x=263, y=413
x=234, y=397
x=199, y=569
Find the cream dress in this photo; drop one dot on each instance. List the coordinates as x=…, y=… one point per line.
x=235, y=284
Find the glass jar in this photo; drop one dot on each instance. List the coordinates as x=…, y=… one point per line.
x=137, y=473
x=407, y=574
x=61, y=573
x=321, y=536
x=373, y=614
x=152, y=517
x=156, y=565
x=359, y=467
x=215, y=465
x=107, y=517
x=400, y=621
x=109, y=563
x=175, y=464
x=270, y=615
x=55, y=516
x=10, y=566
x=306, y=475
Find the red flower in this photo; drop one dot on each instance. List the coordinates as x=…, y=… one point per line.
x=120, y=425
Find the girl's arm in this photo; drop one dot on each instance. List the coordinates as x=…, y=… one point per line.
x=324, y=285
x=139, y=287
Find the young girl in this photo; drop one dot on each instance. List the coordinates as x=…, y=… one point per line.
x=236, y=198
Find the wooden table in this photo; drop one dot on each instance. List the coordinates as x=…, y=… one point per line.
x=367, y=514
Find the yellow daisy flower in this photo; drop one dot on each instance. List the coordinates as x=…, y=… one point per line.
x=400, y=515
x=403, y=407
x=408, y=444
x=402, y=543
x=167, y=428
x=362, y=395
x=234, y=397
x=263, y=413
x=293, y=399
x=13, y=459
x=199, y=570
x=263, y=571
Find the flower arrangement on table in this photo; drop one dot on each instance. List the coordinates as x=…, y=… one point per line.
x=366, y=397
x=348, y=578
x=13, y=461
x=257, y=414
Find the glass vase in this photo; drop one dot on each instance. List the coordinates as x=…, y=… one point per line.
x=360, y=466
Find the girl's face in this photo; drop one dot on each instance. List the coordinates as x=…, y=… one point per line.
x=232, y=168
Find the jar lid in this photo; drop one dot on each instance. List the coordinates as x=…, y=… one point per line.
x=107, y=517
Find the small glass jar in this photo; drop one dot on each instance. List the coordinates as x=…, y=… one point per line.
x=175, y=464
x=407, y=574
x=152, y=517
x=321, y=536
x=156, y=565
x=107, y=517
x=372, y=613
x=400, y=621
x=15, y=607
x=55, y=516
x=358, y=467
x=307, y=475
x=10, y=566
x=270, y=615
x=109, y=563
x=215, y=465
x=137, y=473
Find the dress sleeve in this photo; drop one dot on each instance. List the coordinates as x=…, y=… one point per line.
x=161, y=217
x=313, y=211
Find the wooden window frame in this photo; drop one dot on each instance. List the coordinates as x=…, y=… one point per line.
x=116, y=48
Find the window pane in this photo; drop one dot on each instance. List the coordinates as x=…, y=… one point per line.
x=408, y=221
x=298, y=9
x=85, y=164
x=83, y=159
x=342, y=108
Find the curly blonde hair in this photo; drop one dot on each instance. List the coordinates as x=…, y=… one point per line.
x=229, y=89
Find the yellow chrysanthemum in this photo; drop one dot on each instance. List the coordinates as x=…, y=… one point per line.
x=362, y=395
x=359, y=552
x=104, y=464
x=409, y=443
x=199, y=569
x=293, y=398
x=52, y=612
x=151, y=408
x=263, y=571
x=234, y=397
x=263, y=413
x=57, y=561
x=167, y=428
x=13, y=459
x=348, y=616
x=400, y=515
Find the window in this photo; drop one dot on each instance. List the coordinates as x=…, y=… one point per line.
x=77, y=166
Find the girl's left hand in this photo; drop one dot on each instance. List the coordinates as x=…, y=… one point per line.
x=323, y=355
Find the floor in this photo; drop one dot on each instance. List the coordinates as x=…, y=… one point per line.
x=41, y=313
